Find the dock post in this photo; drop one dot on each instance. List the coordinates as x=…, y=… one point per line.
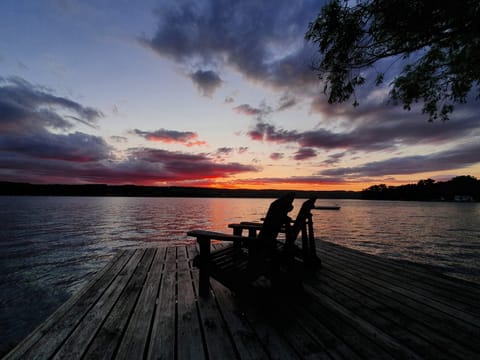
x=204, y=276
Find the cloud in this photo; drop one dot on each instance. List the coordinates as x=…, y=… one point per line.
x=457, y=158
x=181, y=166
x=286, y=102
x=304, y=153
x=334, y=159
x=142, y=166
x=206, y=81
x=259, y=112
x=25, y=106
x=35, y=145
x=263, y=40
x=246, y=109
x=28, y=113
x=374, y=135
x=267, y=132
x=187, y=138
x=224, y=151
x=276, y=156
x=118, y=139
x=391, y=133
x=76, y=147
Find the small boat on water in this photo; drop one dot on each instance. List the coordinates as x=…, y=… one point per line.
x=326, y=207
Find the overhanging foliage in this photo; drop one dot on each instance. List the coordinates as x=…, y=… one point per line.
x=439, y=40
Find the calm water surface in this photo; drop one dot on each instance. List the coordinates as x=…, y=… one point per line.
x=50, y=246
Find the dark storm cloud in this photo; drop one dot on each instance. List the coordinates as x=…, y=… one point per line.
x=263, y=40
x=457, y=158
x=206, y=81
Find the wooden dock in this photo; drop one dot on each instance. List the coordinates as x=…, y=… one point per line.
x=143, y=305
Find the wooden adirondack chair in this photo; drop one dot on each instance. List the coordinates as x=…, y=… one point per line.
x=238, y=265
x=303, y=224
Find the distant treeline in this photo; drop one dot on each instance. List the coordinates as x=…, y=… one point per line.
x=460, y=188
x=18, y=189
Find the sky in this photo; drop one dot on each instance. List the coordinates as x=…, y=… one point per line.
x=213, y=93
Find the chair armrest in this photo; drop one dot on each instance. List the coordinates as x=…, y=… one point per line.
x=245, y=225
x=213, y=235
x=291, y=220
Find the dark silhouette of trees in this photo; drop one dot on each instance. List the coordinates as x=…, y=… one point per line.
x=26, y=189
x=439, y=41
x=460, y=188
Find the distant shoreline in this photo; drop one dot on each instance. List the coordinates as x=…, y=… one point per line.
x=26, y=189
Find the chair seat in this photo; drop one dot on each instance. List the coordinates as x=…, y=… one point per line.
x=230, y=266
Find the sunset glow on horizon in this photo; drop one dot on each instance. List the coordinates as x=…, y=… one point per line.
x=202, y=93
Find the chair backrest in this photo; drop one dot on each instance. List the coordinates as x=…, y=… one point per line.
x=303, y=223
x=276, y=218
x=303, y=215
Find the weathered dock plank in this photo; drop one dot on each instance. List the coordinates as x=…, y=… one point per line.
x=145, y=305
x=106, y=340
x=426, y=316
x=137, y=333
x=247, y=342
x=163, y=342
x=419, y=278
x=432, y=310
x=189, y=333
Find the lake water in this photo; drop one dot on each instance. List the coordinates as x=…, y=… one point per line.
x=50, y=246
